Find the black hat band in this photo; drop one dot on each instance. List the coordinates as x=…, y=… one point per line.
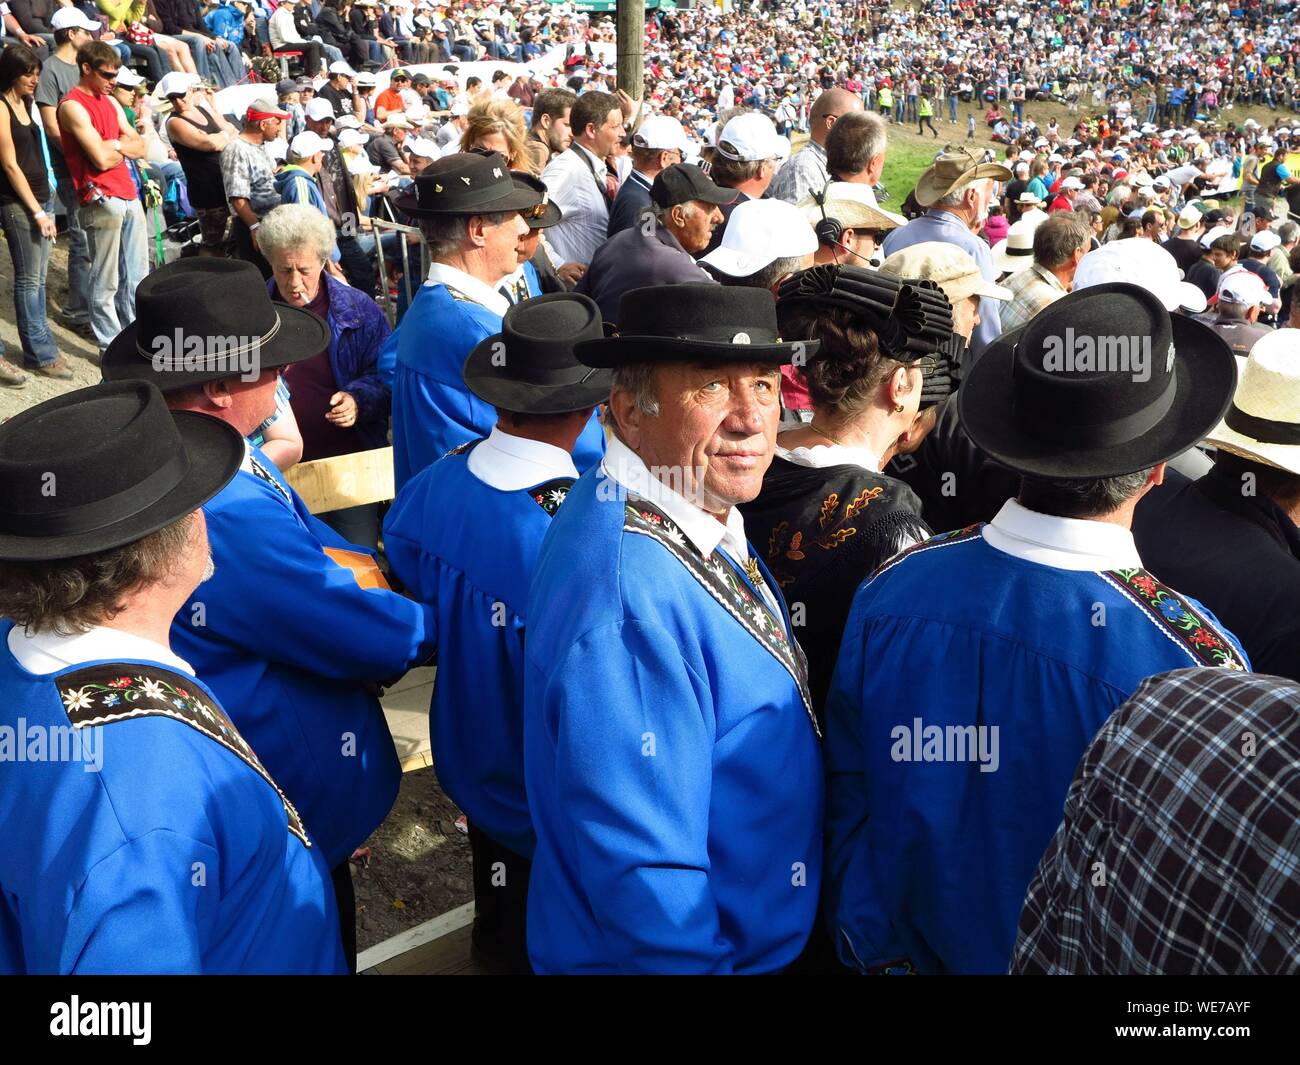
x=1265, y=430
x=87, y=517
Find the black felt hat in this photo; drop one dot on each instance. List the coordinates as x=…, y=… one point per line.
x=694, y=323
x=529, y=367
x=104, y=466
x=684, y=183
x=1101, y=383
x=204, y=319
x=545, y=213
x=467, y=183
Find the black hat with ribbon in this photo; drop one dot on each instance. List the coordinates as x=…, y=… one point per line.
x=467, y=183
x=695, y=323
x=205, y=319
x=1101, y=383
x=105, y=466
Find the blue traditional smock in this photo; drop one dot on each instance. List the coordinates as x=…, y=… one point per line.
x=155, y=841
x=672, y=763
x=463, y=536
x=433, y=411
x=1035, y=626
x=290, y=642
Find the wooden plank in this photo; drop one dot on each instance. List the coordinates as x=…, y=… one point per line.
x=439, y=946
x=419, y=760
x=344, y=480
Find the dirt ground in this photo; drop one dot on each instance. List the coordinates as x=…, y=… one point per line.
x=418, y=865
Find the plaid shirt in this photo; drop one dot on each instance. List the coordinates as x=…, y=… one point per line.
x=1179, y=852
x=1032, y=289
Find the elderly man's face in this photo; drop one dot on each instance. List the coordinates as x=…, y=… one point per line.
x=693, y=224
x=716, y=429
x=501, y=243
x=966, y=316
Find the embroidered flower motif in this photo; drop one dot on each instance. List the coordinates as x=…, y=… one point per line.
x=151, y=688
x=1172, y=610
x=1144, y=583
x=206, y=712
x=121, y=682
x=179, y=704
x=182, y=693
x=110, y=700
x=76, y=700
x=1201, y=638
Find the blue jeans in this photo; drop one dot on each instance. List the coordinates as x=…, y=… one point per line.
x=119, y=257
x=30, y=253
x=952, y=108
x=76, y=308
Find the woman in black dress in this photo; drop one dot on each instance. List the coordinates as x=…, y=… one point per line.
x=827, y=517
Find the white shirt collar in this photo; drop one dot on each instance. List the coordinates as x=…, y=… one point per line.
x=509, y=463
x=822, y=455
x=471, y=287
x=624, y=466
x=1063, y=543
x=42, y=653
x=596, y=160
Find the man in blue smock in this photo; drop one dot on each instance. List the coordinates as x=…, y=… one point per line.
x=957, y=190
x=142, y=832
x=469, y=210
x=671, y=756
x=976, y=667
x=296, y=630
x=476, y=573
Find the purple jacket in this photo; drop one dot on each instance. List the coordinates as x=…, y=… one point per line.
x=358, y=330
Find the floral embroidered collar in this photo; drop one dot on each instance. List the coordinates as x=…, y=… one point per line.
x=105, y=694
x=729, y=589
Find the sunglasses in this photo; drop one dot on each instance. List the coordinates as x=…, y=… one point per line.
x=107, y=75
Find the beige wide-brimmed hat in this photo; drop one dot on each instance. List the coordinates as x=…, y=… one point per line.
x=1263, y=422
x=952, y=168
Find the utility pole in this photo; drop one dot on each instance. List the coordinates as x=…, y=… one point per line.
x=630, y=24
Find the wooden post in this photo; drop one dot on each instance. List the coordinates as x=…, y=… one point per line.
x=630, y=24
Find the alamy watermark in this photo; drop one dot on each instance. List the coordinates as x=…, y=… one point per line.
x=194, y=353
x=919, y=742
x=1072, y=352
x=32, y=742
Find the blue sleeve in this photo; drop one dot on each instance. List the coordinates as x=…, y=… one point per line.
x=289, y=602
x=634, y=743
x=857, y=927
x=1282, y=171
x=363, y=376
x=590, y=448
x=139, y=911
x=387, y=361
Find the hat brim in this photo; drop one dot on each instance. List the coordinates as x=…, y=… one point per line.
x=928, y=190
x=616, y=351
x=1011, y=264
x=215, y=451
x=550, y=217
x=1205, y=380
x=584, y=387
x=301, y=335
x=516, y=200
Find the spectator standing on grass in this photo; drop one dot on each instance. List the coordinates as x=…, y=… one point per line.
x=27, y=187
x=97, y=142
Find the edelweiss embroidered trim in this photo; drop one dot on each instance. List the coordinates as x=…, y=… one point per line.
x=722, y=581
x=103, y=695
x=1206, y=645
x=551, y=494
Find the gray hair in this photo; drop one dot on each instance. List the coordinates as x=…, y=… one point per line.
x=854, y=140
x=957, y=195
x=1081, y=499
x=445, y=234
x=638, y=380
x=295, y=225
x=1288, y=232
x=1058, y=238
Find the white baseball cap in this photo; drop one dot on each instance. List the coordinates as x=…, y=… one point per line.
x=1265, y=240
x=308, y=143
x=1141, y=262
x=758, y=233
x=459, y=107
x=1071, y=183
x=173, y=83
x=1213, y=234
x=319, y=108
x=661, y=132
x=352, y=138
x=128, y=78
x=425, y=149
x=276, y=149
x=1240, y=286
x=750, y=137
x=342, y=67
x=347, y=122
x=72, y=18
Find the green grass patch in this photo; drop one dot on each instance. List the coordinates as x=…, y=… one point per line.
x=903, y=165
